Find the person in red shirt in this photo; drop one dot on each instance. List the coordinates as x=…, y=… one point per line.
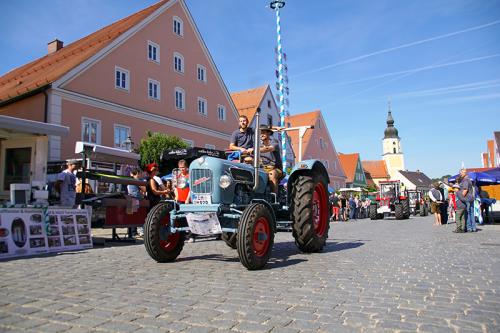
x=182, y=194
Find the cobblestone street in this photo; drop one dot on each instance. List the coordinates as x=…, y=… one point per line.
x=373, y=276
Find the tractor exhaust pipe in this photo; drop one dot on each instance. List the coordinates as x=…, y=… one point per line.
x=256, y=150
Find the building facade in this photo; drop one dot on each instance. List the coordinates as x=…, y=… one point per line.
x=150, y=71
x=351, y=163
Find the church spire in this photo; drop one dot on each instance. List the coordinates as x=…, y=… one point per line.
x=390, y=131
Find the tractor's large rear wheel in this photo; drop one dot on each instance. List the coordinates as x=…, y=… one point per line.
x=310, y=212
x=230, y=239
x=373, y=212
x=398, y=211
x=161, y=244
x=255, y=236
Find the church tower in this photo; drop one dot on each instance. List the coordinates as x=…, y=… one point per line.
x=392, y=153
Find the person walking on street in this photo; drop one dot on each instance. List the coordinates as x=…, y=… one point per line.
x=436, y=200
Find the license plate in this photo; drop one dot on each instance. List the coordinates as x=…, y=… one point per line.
x=201, y=199
x=203, y=224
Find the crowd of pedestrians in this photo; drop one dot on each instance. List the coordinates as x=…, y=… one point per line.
x=348, y=207
x=460, y=203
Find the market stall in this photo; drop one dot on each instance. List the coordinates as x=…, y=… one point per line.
x=28, y=225
x=107, y=169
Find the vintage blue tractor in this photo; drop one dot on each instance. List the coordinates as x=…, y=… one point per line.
x=236, y=200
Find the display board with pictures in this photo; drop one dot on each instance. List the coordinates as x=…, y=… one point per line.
x=24, y=231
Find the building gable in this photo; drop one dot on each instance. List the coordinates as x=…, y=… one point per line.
x=317, y=144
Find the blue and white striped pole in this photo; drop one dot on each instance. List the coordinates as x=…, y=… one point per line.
x=276, y=5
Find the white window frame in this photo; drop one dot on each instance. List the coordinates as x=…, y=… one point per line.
x=183, y=100
x=205, y=106
x=203, y=69
x=180, y=33
x=158, y=94
x=190, y=143
x=209, y=146
x=98, y=130
x=219, y=108
x=181, y=57
x=157, y=47
x=127, y=78
x=129, y=134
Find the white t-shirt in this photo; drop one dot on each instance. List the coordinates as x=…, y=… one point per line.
x=68, y=188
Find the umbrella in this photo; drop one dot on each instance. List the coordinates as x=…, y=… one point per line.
x=167, y=177
x=480, y=178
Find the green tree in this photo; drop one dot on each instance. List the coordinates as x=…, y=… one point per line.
x=154, y=144
x=372, y=188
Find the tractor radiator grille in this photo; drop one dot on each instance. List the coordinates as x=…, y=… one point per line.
x=201, y=181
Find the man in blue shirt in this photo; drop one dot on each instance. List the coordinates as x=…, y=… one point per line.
x=242, y=138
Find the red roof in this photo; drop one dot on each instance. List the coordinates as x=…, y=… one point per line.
x=376, y=169
x=349, y=163
x=248, y=101
x=49, y=68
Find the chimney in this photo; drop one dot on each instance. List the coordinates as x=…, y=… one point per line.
x=54, y=46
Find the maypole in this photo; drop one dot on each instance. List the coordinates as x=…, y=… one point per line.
x=280, y=73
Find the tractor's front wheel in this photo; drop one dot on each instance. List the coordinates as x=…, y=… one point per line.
x=255, y=236
x=161, y=244
x=309, y=206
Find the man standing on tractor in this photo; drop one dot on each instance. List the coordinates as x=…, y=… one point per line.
x=271, y=157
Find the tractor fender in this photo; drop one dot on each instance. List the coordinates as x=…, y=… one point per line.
x=312, y=167
x=265, y=203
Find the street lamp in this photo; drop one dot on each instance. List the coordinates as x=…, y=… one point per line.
x=128, y=144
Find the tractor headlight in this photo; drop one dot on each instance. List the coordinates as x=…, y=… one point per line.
x=225, y=181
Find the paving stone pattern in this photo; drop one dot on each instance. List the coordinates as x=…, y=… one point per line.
x=373, y=276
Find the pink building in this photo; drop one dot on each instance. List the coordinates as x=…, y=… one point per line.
x=150, y=71
x=317, y=144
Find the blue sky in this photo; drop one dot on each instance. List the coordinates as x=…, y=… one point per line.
x=437, y=60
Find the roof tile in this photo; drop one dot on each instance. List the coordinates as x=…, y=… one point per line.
x=377, y=169
x=349, y=163
x=248, y=101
